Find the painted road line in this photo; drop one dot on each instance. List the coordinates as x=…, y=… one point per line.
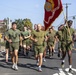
x=64, y=72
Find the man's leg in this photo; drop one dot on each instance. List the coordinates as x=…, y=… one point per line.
x=36, y=55
x=70, y=60
x=24, y=47
x=44, y=55
x=63, y=58
x=59, y=49
x=50, y=52
x=53, y=50
x=37, y=59
x=13, y=59
x=28, y=50
x=40, y=61
x=64, y=50
x=7, y=55
x=16, y=48
x=16, y=58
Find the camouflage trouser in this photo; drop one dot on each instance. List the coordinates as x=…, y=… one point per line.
x=38, y=49
x=14, y=46
x=50, y=44
x=66, y=45
x=27, y=42
x=44, y=45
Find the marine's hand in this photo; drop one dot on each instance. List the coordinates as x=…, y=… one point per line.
x=35, y=40
x=9, y=40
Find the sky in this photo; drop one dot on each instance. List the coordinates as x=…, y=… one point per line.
x=33, y=10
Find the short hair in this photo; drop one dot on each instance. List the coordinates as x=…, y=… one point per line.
x=70, y=21
x=14, y=23
x=50, y=28
x=39, y=24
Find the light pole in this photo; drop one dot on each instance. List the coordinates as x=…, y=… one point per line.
x=74, y=21
x=67, y=9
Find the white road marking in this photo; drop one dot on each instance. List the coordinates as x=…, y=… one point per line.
x=55, y=74
x=68, y=69
x=74, y=69
x=2, y=58
x=61, y=72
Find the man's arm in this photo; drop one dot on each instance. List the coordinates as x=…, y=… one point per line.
x=9, y=40
x=27, y=37
x=33, y=39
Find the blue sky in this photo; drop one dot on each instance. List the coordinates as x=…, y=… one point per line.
x=32, y=9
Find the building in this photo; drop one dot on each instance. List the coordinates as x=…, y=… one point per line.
x=2, y=23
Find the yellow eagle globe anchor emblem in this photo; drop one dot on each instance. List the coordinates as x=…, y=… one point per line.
x=49, y=6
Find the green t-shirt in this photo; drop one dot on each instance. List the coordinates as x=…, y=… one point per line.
x=51, y=36
x=54, y=31
x=25, y=34
x=59, y=35
x=14, y=35
x=67, y=33
x=39, y=36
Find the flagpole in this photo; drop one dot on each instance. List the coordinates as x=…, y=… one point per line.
x=67, y=25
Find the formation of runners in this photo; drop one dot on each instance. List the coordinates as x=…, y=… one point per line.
x=40, y=41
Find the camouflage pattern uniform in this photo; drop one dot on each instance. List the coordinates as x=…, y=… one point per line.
x=38, y=46
x=14, y=35
x=25, y=41
x=66, y=43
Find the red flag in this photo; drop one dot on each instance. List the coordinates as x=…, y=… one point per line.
x=53, y=9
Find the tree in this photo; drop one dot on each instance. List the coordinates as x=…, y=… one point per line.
x=3, y=29
x=27, y=22
x=20, y=24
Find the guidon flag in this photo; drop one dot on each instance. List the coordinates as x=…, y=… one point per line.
x=53, y=8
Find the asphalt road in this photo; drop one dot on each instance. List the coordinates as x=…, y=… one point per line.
x=27, y=66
